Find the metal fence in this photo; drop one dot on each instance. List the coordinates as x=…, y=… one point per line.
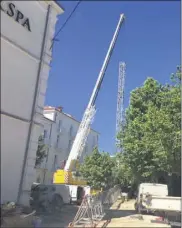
x=91, y=211
x=108, y=197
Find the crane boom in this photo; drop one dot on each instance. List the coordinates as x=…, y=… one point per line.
x=105, y=63
x=84, y=128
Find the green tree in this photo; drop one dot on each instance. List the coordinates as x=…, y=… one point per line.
x=121, y=172
x=150, y=137
x=138, y=155
x=97, y=169
x=41, y=151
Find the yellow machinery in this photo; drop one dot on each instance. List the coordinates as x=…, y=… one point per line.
x=65, y=177
x=59, y=178
x=62, y=176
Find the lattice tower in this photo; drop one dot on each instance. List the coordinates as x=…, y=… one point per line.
x=120, y=100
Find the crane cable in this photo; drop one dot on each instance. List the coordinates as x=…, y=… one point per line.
x=69, y=17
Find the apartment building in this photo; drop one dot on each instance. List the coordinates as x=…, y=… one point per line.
x=59, y=132
x=27, y=30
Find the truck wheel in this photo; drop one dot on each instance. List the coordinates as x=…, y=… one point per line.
x=57, y=203
x=136, y=207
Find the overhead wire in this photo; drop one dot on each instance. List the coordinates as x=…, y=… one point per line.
x=68, y=18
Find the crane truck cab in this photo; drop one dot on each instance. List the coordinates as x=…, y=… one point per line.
x=77, y=193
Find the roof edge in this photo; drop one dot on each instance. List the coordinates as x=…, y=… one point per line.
x=59, y=4
x=52, y=121
x=56, y=6
x=53, y=109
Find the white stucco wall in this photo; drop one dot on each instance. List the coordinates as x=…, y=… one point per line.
x=20, y=57
x=13, y=142
x=67, y=133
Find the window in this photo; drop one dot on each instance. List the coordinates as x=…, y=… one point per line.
x=69, y=145
x=57, y=141
x=93, y=142
x=38, y=179
x=71, y=131
x=85, y=149
x=55, y=116
x=59, y=125
x=45, y=134
x=97, y=137
x=55, y=162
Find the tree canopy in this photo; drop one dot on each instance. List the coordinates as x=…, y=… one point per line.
x=41, y=151
x=97, y=169
x=150, y=138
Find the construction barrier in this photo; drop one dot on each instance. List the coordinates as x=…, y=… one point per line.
x=110, y=196
x=91, y=210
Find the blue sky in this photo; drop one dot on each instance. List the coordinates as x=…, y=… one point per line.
x=149, y=43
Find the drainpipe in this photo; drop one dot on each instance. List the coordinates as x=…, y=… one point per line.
x=33, y=105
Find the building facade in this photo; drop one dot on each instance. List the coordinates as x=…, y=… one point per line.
x=27, y=30
x=59, y=132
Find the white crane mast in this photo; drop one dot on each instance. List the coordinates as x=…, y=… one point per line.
x=84, y=128
x=120, y=100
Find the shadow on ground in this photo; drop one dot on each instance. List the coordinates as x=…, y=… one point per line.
x=63, y=219
x=110, y=214
x=119, y=210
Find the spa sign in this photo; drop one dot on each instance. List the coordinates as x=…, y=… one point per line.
x=11, y=10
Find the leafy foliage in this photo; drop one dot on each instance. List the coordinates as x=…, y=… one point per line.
x=151, y=135
x=41, y=151
x=97, y=169
x=122, y=173
x=150, y=139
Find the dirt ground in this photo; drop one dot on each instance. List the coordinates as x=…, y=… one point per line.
x=124, y=215
x=119, y=215
x=62, y=220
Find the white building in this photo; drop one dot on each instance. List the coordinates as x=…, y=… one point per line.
x=59, y=131
x=27, y=30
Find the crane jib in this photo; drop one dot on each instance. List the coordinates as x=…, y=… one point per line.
x=83, y=131
x=105, y=63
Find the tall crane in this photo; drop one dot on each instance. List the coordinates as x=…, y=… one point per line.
x=84, y=128
x=120, y=100
x=88, y=117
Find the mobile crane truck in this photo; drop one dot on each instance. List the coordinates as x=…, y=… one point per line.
x=65, y=176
